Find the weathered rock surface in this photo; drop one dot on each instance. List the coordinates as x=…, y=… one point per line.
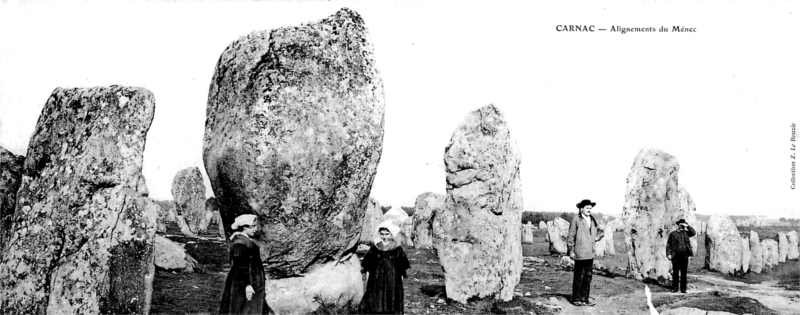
x=10, y=178
x=783, y=247
x=477, y=234
x=189, y=194
x=172, y=256
x=792, y=253
x=557, y=231
x=527, y=233
x=83, y=238
x=745, y=254
x=332, y=283
x=654, y=201
x=770, y=247
x=723, y=245
x=294, y=133
x=756, y=253
x=542, y=225
x=427, y=205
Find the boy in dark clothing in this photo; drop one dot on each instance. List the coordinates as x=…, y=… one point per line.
x=679, y=251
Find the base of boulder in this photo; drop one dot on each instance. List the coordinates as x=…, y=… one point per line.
x=334, y=284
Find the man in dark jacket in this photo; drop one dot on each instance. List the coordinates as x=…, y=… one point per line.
x=583, y=233
x=679, y=251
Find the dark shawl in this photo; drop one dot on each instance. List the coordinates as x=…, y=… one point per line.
x=384, y=294
x=246, y=269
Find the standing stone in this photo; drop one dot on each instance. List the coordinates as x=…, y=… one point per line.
x=82, y=241
x=527, y=233
x=189, y=194
x=653, y=203
x=745, y=254
x=294, y=133
x=771, y=249
x=373, y=217
x=426, y=207
x=608, y=237
x=10, y=177
x=783, y=247
x=756, y=253
x=723, y=245
x=477, y=234
x=542, y=225
x=792, y=253
x=557, y=231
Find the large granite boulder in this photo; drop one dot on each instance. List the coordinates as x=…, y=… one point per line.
x=426, y=205
x=654, y=201
x=294, y=134
x=557, y=231
x=770, y=247
x=723, y=245
x=756, y=253
x=745, y=266
x=189, y=195
x=82, y=242
x=783, y=247
x=10, y=178
x=792, y=253
x=171, y=256
x=477, y=234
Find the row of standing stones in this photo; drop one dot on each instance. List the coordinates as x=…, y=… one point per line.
x=294, y=134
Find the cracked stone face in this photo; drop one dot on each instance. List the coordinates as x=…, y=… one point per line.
x=294, y=133
x=654, y=201
x=83, y=232
x=477, y=234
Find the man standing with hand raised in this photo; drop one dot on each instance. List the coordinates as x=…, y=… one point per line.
x=583, y=233
x=679, y=251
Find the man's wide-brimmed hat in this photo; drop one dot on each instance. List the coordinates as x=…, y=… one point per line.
x=584, y=203
x=680, y=221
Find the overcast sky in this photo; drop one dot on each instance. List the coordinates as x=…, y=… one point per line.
x=580, y=105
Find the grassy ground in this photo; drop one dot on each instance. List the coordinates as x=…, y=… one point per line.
x=543, y=284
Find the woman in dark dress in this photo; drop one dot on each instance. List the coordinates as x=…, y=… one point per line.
x=244, y=288
x=386, y=263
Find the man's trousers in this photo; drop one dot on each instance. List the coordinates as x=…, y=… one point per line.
x=582, y=280
x=680, y=263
